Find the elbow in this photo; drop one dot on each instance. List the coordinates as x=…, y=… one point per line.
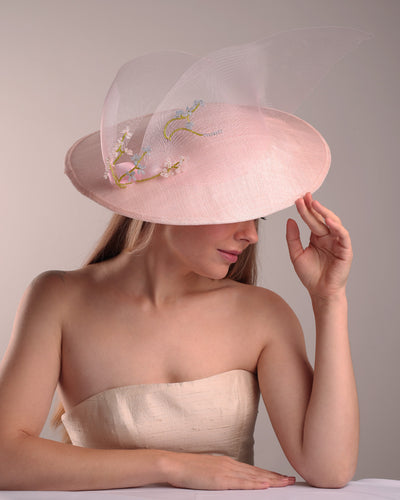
x=331, y=482
x=5, y=473
x=337, y=477
x=7, y=469
x=11, y=466
x=4, y=464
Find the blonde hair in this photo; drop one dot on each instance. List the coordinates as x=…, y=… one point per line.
x=123, y=233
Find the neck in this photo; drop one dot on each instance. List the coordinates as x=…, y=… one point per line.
x=158, y=276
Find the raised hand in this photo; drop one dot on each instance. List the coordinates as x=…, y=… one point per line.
x=209, y=472
x=323, y=267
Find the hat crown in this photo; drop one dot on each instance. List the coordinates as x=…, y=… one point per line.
x=224, y=120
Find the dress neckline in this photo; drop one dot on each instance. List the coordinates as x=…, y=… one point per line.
x=161, y=384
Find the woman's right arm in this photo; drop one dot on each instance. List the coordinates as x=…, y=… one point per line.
x=29, y=375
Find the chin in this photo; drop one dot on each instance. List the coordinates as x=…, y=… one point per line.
x=217, y=274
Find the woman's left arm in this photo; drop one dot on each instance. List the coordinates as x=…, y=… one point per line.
x=324, y=408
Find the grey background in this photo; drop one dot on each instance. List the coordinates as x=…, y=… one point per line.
x=58, y=59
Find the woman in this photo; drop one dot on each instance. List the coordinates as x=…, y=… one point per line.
x=189, y=323
x=166, y=322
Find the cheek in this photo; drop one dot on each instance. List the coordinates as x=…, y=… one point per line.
x=196, y=248
x=197, y=245
x=193, y=238
x=183, y=241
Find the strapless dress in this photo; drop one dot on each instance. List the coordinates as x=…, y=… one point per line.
x=214, y=415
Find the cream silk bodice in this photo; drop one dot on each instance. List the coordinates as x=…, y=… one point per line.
x=214, y=415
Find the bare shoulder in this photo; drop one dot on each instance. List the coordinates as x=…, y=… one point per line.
x=268, y=313
x=51, y=285
x=259, y=299
x=65, y=295
x=58, y=284
x=48, y=280
x=47, y=287
x=31, y=366
x=45, y=307
x=51, y=292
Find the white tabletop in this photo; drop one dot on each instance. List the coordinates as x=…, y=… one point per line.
x=364, y=489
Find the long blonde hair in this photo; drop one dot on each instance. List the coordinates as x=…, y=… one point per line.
x=123, y=233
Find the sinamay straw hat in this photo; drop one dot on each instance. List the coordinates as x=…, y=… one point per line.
x=207, y=140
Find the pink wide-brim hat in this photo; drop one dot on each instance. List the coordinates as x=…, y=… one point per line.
x=188, y=141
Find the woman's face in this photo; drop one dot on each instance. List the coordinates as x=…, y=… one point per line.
x=209, y=250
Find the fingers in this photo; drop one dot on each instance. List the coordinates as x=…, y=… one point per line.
x=334, y=224
x=246, y=474
x=293, y=240
x=246, y=484
x=325, y=212
x=312, y=212
x=235, y=482
x=336, y=228
x=315, y=214
x=210, y=472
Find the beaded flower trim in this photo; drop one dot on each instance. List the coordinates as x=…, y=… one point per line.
x=168, y=169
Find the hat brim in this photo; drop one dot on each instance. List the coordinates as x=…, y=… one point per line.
x=292, y=159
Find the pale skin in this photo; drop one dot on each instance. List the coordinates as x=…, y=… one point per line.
x=62, y=336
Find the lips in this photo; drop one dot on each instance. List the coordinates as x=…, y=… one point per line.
x=230, y=255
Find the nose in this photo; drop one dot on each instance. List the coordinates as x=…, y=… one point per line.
x=247, y=231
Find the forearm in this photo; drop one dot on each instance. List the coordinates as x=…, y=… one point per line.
x=38, y=464
x=33, y=463
x=331, y=426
